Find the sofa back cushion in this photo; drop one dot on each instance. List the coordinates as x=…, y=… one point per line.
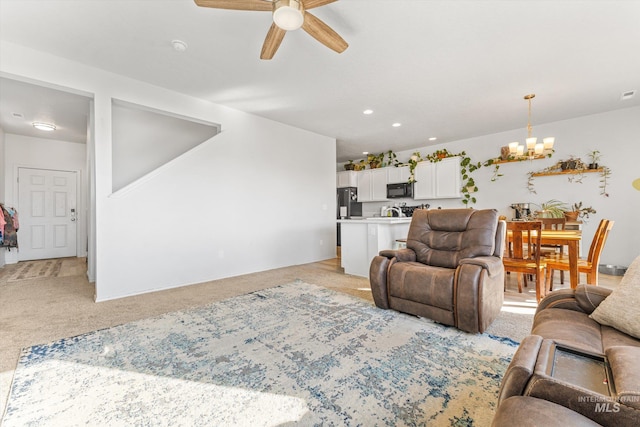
x=621, y=309
x=442, y=237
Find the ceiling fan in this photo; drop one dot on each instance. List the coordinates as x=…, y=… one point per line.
x=287, y=15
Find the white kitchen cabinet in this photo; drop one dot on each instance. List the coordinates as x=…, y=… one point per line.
x=372, y=185
x=425, y=185
x=448, y=179
x=346, y=179
x=439, y=180
x=398, y=175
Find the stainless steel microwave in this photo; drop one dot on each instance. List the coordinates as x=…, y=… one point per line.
x=400, y=190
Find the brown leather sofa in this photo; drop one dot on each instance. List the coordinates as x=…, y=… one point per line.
x=451, y=270
x=572, y=362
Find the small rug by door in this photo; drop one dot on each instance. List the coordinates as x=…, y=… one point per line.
x=297, y=353
x=26, y=270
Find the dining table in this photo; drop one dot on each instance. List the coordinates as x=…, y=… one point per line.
x=569, y=238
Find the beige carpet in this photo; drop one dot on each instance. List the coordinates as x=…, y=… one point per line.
x=41, y=310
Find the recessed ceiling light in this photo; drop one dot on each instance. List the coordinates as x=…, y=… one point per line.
x=48, y=127
x=433, y=138
x=179, y=45
x=396, y=125
x=627, y=95
x=367, y=112
x=365, y=152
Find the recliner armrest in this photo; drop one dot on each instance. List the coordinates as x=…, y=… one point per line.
x=401, y=255
x=492, y=264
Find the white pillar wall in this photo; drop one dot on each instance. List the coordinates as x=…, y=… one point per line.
x=233, y=205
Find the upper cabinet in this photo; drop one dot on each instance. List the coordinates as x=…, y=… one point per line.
x=346, y=179
x=425, y=185
x=372, y=185
x=398, y=174
x=448, y=178
x=439, y=180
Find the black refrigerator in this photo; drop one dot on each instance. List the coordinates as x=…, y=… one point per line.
x=347, y=205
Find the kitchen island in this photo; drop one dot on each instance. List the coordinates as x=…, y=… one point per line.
x=364, y=238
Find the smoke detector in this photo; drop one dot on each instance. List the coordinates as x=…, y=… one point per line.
x=179, y=45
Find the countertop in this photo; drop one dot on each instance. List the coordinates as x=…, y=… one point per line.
x=376, y=220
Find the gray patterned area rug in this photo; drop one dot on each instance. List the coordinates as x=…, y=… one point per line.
x=297, y=354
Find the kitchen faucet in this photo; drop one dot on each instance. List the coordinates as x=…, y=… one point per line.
x=398, y=210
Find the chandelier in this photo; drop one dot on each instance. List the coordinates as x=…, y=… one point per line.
x=534, y=149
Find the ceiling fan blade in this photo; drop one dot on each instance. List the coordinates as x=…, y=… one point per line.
x=272, y=42
x=323, y=33
x=261, y=5
x=310, y=4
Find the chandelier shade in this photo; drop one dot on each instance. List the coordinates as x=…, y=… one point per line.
x=531, y=147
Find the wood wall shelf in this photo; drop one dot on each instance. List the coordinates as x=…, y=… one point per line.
x=521, y=159
x=568, y=172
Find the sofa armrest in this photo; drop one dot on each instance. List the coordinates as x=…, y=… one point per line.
x=401, y=255
x=520, y=369
x=492, y=264
x=585, y=299
x=589, y=297
x=624, y=361
x=563, y=298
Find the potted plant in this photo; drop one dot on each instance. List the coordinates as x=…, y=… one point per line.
x=595, y=158
x=361, y=165
x=349, y=166
x=375, y=161
x=439, y=155
x=570, y=164
x=552, y=209
x=578, y=212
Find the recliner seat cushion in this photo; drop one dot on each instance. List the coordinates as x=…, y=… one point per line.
x=421, y=283
x=443, y=237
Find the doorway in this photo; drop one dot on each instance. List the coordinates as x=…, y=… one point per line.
x=47, y=205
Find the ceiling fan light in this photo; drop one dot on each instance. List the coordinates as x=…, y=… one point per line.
x=48, y=127
x=288, y=14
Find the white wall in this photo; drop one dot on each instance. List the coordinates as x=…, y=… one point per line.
x=26, y=151
x=2, y=179
x=615, y=134
x=260, y=195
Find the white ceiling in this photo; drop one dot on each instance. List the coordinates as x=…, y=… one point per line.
x=449, y=69
x=22, y=104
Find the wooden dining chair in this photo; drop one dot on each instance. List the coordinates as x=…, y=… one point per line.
x=523, y=258
x=549, y=250
x=588, y=265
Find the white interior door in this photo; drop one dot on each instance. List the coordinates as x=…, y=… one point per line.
x=47, y=212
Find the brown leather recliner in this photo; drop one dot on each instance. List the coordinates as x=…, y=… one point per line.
x=451, y=270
